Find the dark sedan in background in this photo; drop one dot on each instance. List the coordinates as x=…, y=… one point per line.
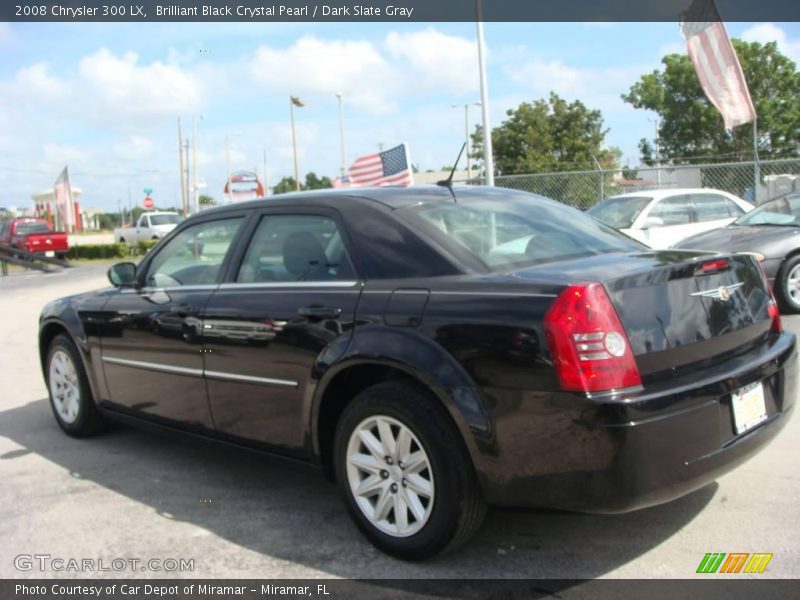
x=771, y=233
x=435, y=350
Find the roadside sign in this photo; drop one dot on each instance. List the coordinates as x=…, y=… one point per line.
x=147, y=191
x=148, y=202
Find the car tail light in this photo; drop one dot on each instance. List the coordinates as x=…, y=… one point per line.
x=589, y=347
x=773, y=311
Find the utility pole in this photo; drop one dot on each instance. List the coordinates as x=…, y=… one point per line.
x=180, y=161
x=342, y=160
x=186, y=197
x=266, y=175
x=195, y=202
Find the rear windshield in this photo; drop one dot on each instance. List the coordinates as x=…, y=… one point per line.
x=165, y=219
x=28, y=228
x=509, y=230
x=619, y=213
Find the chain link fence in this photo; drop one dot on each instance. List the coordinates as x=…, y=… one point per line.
x=583, y=189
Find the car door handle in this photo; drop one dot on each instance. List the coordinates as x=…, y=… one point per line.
x=319, y=312
x=183, y=309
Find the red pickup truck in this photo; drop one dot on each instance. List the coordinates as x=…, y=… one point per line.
x=33, y=235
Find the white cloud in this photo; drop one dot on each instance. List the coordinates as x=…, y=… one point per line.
x=369, y=76
x=769, y=32
x=35, y=83
x=55, y=156
x=123, y=90
x=312, y=65
x=133, y=148
x=596, y=87
x=442, y=61
x=108, y=90
x=672, y=48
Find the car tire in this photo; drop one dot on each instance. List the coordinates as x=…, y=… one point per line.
x=787, y=285
x=121, y=240
x=438, y=493
x=70, y=395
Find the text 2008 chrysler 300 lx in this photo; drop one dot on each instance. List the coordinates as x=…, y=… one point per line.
x=435, y=350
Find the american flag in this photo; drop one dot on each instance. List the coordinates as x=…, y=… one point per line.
x=390, y=167
x=63, y=194
x=716, y=63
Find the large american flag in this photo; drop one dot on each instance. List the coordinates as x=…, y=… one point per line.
x=390, y=167
x=716, y=63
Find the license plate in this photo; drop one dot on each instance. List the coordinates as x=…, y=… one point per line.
x=50, y=253
x=749, y=408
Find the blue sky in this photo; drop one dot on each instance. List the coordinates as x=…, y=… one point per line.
x=104, y=98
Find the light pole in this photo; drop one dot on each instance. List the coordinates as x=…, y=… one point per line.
x=295, y=101
x=228, y=162
x=488, y=158
x=342, y=160
x=466, y=132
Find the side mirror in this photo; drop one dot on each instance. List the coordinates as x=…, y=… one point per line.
x=651, y=222
x=122, y=274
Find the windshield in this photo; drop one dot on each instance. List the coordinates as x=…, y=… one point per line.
x=165, y=219
x=509, y=230
x=619, y=213
x=782, y=211
x=28, y=228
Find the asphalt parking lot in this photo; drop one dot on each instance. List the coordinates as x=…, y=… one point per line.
x=135, y=494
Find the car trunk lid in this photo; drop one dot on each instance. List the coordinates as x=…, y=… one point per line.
x=677, y=308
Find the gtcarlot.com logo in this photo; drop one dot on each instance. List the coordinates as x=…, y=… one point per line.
x=47, y=562
x=734, y=562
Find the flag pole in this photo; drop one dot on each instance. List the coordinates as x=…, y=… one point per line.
x=756, y=165
x=488, y=159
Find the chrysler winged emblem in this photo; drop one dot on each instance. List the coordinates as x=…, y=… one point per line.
x=721, y=293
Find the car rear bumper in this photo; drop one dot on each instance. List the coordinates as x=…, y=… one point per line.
x=561, y=451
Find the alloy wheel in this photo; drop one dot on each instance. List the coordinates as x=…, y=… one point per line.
x=390, y=476
x=64, y=386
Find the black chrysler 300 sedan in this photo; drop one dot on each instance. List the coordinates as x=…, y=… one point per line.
x=435, y=351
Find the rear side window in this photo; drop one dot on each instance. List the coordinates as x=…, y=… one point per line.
x=619, y=213
x=295, y=248
x=675, y=210
x=712, y=207
x=509, y=230
x=32, y=227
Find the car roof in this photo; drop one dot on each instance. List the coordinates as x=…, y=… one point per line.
x=658, y=194
x=393, y=197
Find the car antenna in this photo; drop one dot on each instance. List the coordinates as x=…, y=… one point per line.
x=448, y=183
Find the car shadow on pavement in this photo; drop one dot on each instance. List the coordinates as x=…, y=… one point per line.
x=288, y=511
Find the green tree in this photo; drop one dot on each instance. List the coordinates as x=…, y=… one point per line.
x=108, y=220
x=287, y=184
x=206, y=200
x=691, y=128
x=314, y=182
x=547, y=135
